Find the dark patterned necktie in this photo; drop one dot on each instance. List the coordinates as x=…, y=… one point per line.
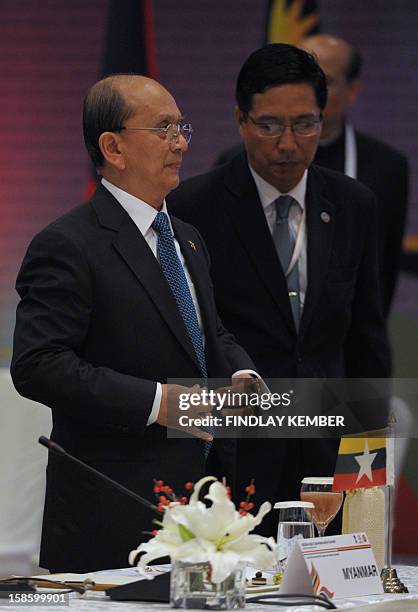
x=176, y=278
x=284, y=242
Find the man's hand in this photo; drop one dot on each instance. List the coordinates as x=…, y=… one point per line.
x=242, y=385
x=170, y=412
x=246, y=383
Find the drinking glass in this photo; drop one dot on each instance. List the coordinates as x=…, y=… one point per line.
x=326, y=501
x=294, y=525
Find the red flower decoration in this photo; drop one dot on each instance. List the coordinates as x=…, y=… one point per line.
x=250, y=489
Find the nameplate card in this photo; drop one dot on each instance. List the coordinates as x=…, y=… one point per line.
x=337, y=566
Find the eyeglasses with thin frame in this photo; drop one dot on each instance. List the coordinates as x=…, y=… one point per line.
x=172, y=131
x=271, y=129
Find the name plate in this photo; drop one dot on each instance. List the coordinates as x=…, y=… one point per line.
x=338, y=566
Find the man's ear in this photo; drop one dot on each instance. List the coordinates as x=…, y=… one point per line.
x=354, y=88
x=241, y=122
x=109, y=143
x=239, y=116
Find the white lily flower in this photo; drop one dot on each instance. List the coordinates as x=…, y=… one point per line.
x=218, y=534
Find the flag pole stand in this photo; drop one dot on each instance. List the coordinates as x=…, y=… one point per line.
x=390, y=580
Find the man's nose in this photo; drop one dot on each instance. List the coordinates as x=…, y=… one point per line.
x=179, y=143
x=287, y=140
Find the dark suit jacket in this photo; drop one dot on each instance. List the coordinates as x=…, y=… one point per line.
x=385, y=171
x=97, y=326
x=342, y=331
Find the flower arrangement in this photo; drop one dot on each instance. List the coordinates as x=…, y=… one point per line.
x=217, y=534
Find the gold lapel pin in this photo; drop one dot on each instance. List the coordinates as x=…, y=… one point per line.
x=192, y=245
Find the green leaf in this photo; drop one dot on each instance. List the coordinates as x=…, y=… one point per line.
x=185, y=533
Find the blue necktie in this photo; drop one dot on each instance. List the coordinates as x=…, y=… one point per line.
x=176, y=278
x=174, y=273
x=284, y=242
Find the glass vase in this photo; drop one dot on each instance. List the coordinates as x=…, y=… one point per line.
x=191, y=588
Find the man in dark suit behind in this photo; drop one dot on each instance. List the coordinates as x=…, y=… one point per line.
x=100, y=329
x=374, y=163
x=324, y=320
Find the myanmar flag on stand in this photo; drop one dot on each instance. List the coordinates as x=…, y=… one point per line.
x=364, y=462
x=129, y=47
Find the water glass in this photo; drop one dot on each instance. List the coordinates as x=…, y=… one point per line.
x=294, y=525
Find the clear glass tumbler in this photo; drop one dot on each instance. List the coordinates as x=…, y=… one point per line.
x=294, y=524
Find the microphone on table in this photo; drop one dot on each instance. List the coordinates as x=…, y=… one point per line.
x=141, y=590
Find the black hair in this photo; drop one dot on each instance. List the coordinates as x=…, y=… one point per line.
x=278, y=64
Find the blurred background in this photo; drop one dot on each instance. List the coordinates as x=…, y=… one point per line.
x=51, y=52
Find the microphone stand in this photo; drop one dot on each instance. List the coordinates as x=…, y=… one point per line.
x=58, y=450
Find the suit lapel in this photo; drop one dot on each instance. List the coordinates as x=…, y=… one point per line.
x=134, y=250
x=248, y=218
x=320, y=220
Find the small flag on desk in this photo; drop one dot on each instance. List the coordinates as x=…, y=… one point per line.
x=364, y=462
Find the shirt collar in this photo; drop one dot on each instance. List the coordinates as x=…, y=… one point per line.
x=141, y=213
x=268, y=193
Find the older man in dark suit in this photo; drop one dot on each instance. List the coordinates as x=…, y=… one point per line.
x=293, y=253
x=116, y=299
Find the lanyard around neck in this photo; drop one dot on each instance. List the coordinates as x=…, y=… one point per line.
x=350, y=152
x=350, y=169
x=298, y=244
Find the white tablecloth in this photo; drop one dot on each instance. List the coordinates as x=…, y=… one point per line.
x=98, y=602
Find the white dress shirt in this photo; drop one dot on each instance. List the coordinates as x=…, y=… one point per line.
x=268, y=194
x=143, y=215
